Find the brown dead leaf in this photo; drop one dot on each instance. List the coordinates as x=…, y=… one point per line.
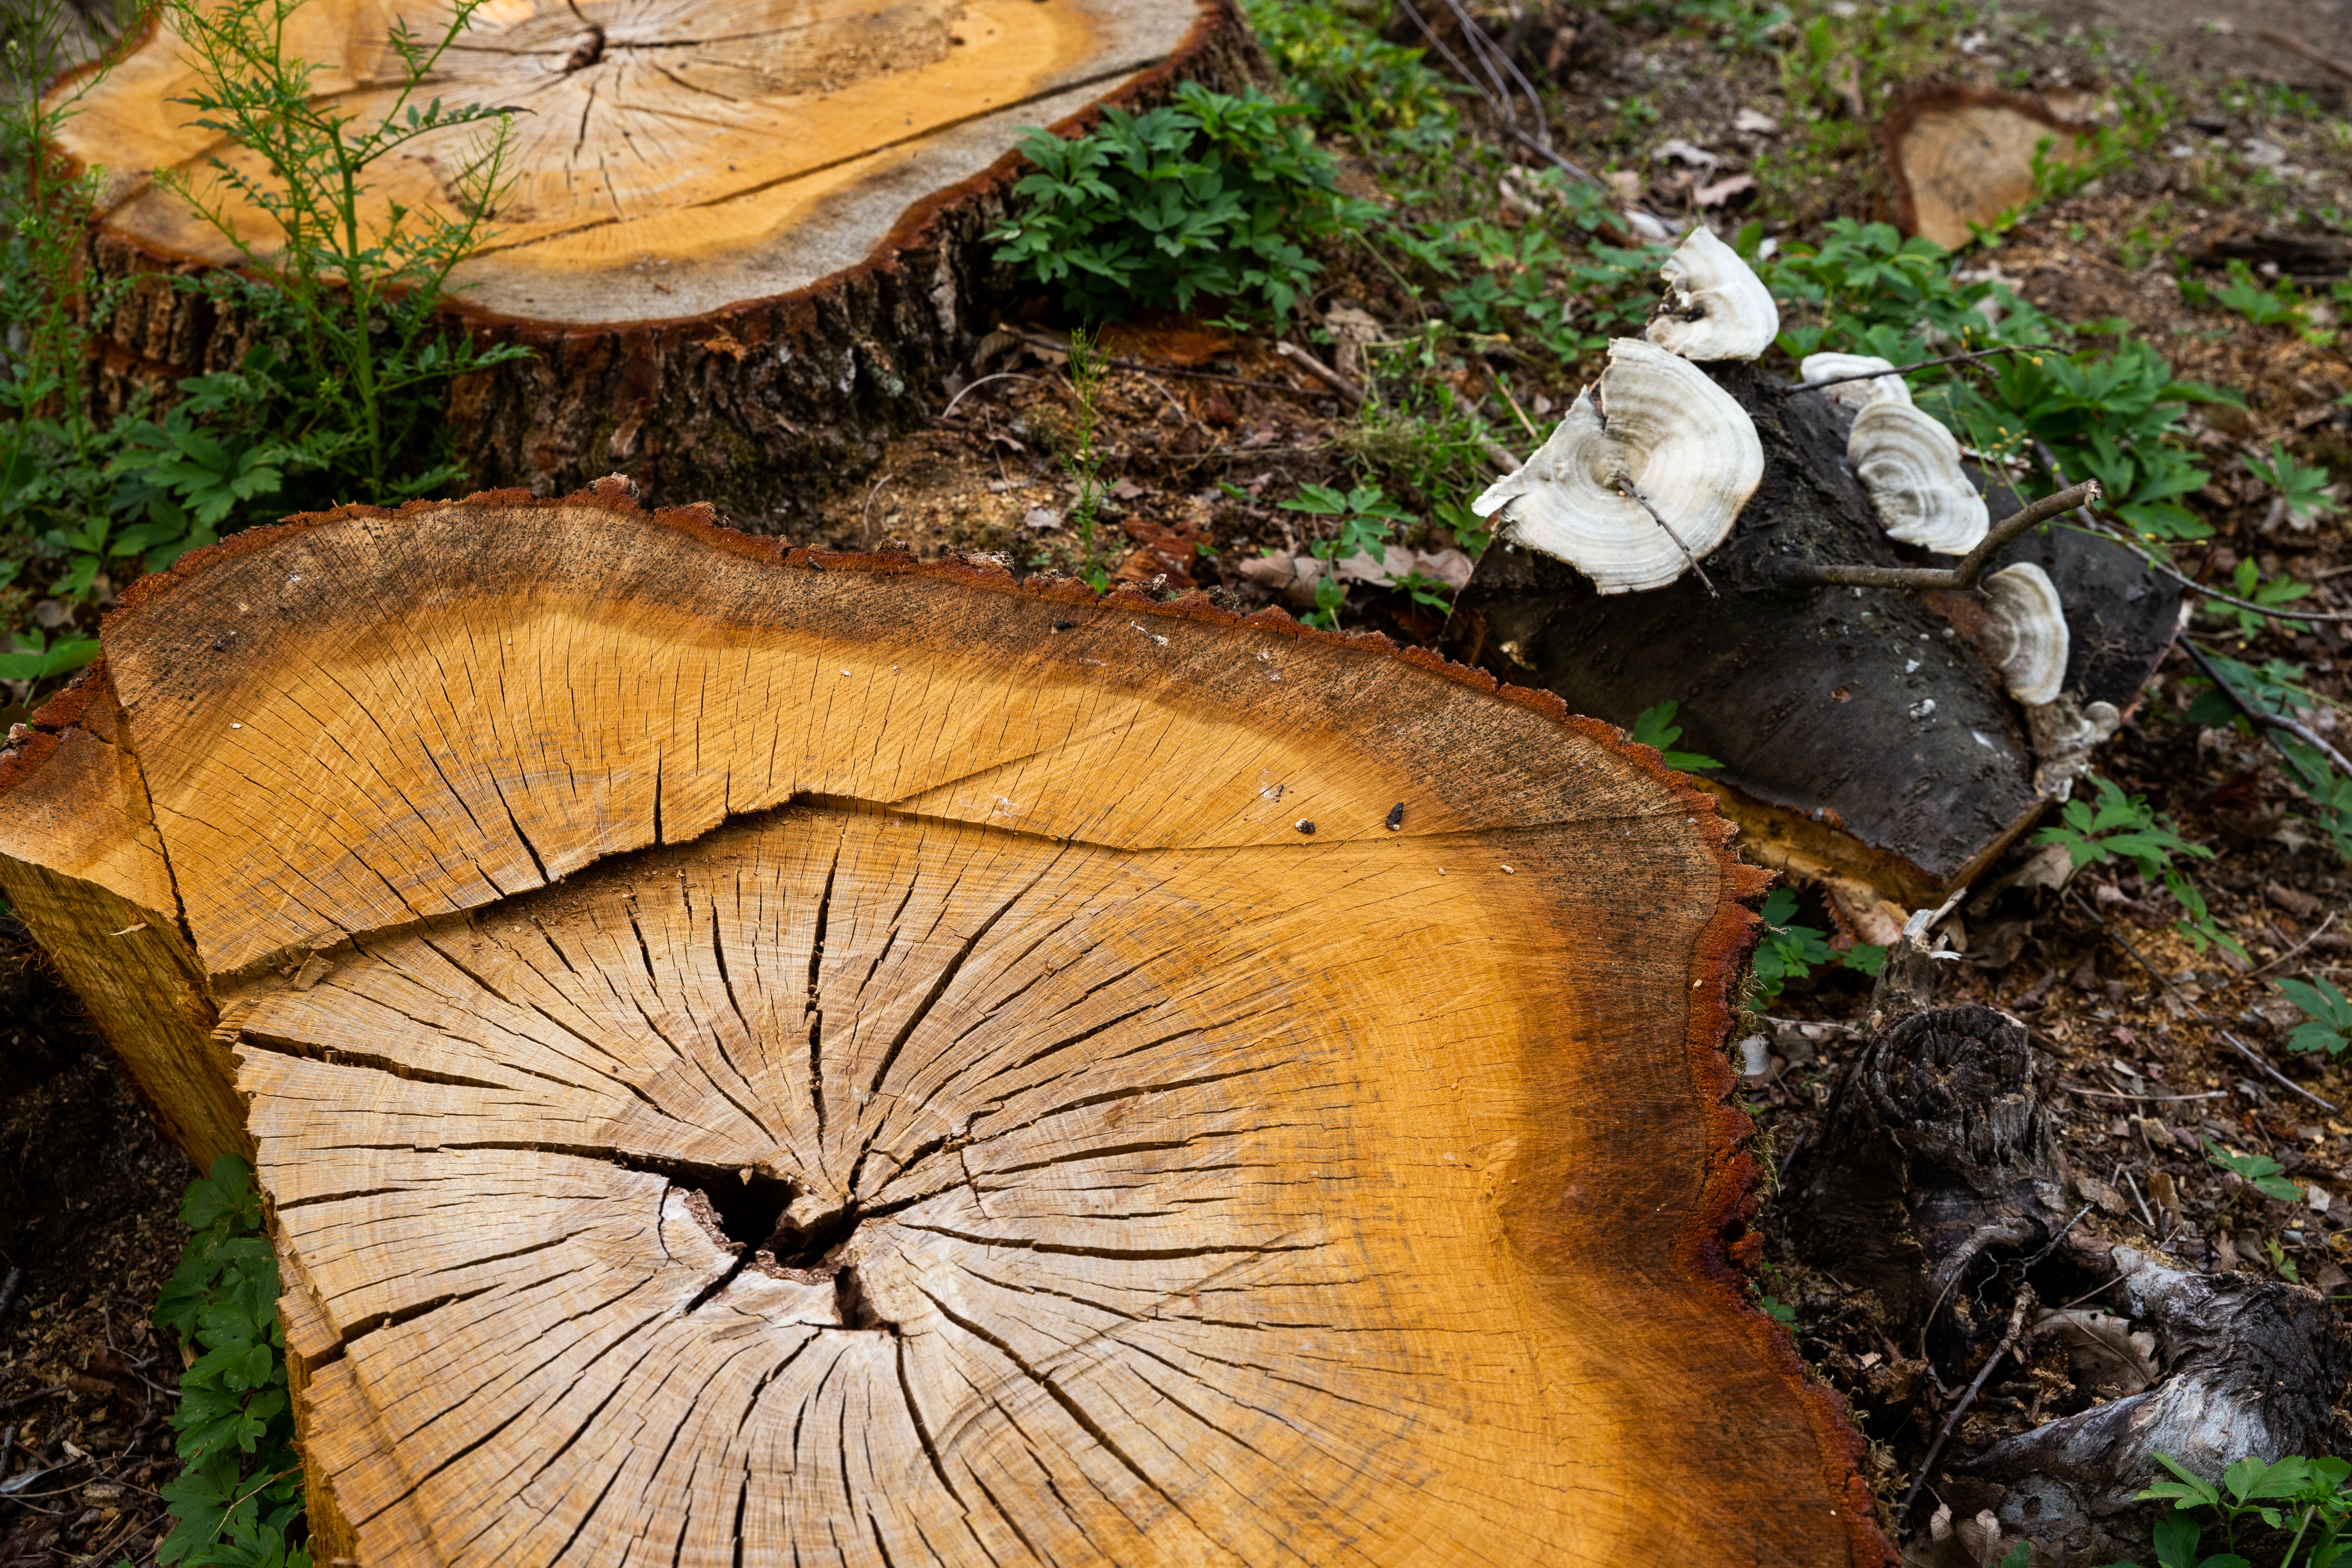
x=2105, y=1350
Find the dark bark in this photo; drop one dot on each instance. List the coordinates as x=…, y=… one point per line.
x=1861, y=730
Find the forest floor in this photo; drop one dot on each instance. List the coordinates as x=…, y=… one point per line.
x=2234, y=139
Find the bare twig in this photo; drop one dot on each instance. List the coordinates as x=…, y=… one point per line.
x=983, y=380
x=1964, y=576
x=2296, y=46
x=1349, y=393
x=2008, y=1343
x=865, y=513
x=2151, y=1099
x=1905, y=369
x=2316, y=931
x=2150, y=1219
x=2164, y=980
x=1634, y=490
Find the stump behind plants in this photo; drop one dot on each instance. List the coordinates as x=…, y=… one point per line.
x=1937, y=1184
x=745, y=244
x=758, y=1058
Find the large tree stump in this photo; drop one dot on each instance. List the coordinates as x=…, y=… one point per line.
x=763, y=1058
x=744, y=240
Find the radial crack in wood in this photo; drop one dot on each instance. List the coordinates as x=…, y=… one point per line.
x=759, y=1059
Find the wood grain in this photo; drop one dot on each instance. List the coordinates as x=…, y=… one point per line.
x=760, y=1058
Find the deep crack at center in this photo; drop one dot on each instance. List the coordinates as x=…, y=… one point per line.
x=751, y=1215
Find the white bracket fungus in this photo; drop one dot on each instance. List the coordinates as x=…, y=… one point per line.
x=2025, y=636
x=1911, y=465
x=1854, y=395
x=1634, y=491
x=1718, y=307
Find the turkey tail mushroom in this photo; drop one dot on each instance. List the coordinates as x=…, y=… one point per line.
x=1717, y=306
x=1910, y=465
x=1857, y=396
x=2026, y=634
x=1634, y=491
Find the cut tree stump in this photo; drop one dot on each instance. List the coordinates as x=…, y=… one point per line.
x=759, y=1057
x=744, y=241
x=1868, y=743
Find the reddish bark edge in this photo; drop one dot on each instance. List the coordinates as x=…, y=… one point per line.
x=1716, y=1247
x=1937, y=100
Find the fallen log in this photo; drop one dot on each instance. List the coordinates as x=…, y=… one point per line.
x=1868, y=739
x=744, y=244
x=757, y=1057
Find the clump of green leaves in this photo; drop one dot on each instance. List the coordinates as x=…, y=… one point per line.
x=1351, y=79
x=1212, y=197
x=240, y=1495
x=2302, y=486
x=1656, y=727
x=2275, y=686
x=2259, y=1171
x=2120, y=826
x=1792, y=952
x=2308, y=1496
x=1366, y=523
x=2328, y=1015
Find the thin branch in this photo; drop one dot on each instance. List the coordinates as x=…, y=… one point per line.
x=1964, y=576
x=2317, y=932
x=2007, y=1343
x=1634, y=490
x=1905, y=369
x=2164, y=980
x=983, y=380
x=1349, y=393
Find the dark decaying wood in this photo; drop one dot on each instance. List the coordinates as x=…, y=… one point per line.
x=759, y=1058
x=1864, y=736
x=1938, y=1182
x=683, y=333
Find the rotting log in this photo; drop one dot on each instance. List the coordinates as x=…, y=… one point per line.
x=745, y=243
x=1868, y=743
x=1938, y=1184
x=757, y=1057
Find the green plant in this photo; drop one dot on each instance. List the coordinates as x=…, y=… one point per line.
x=1792, y=952
x=1367, y=523
x=39, y=655
x=2275, y=686
x=356, y=297
x=2259, y=1171
x=1082, y=457
x=2303, y=487
x=2328, y=1015
x=2276, y=593
x=240, y=1493
x=2306, y=1496
x=1206, y=198
x=1656, y=727
x=1349, y=77
x=2122, y=827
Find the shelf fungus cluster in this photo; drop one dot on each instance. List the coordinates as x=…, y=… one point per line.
x=1907, y=460
x=1643, y=479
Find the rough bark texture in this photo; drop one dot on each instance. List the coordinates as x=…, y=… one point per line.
x=755, y=367
x=1864, y=735
x=1934, y=1152
x=2255, y=1366
x=759, y=1058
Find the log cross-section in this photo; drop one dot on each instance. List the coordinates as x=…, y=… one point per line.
x=761, y=1058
